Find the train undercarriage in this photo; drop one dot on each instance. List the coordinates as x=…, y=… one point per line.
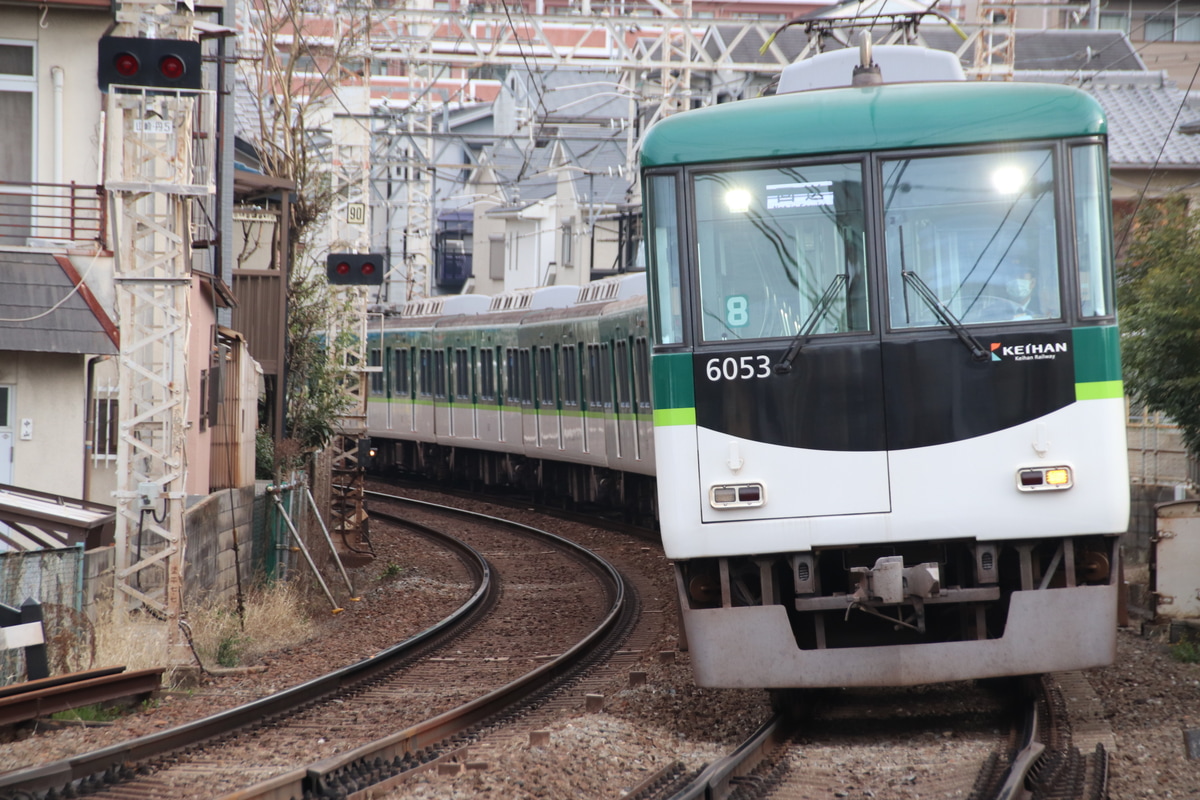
x=902, y=614
x=556, y=483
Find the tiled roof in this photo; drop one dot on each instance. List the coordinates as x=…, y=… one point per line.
x=32, y=283
x=1143, y=125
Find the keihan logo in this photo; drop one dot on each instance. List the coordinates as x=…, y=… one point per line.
x=1028, y=352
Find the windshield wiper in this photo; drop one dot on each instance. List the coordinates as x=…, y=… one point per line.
x=944, y=314
x=785, y=364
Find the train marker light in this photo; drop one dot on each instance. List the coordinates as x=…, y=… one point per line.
x=744, y=495
x=1058, y=477
x=1041, y=479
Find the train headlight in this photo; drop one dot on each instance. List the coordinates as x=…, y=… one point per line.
x=740, y=495
x=738, y=201
x=1044, y=479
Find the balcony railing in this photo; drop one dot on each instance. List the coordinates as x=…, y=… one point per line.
x=51, y=214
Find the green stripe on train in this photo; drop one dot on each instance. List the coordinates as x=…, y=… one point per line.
x=1097, y=363
x=1099, y=390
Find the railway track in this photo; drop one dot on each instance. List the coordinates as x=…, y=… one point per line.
x=401, y=711
x=1028, y=757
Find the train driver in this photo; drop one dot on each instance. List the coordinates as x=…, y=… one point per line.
x=1021, y=289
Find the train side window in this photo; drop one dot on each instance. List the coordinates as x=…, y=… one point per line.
x=624, y=395
x=401, y=384
x=511, y=381
x=546, y=375
x=592, y=389
x=606, y=388
x=375, y=359
x=662, y=212
x=425, y=373
x=439, y=373
x=524, y=375
x=1093, y=230
x=462, y=375
x=641, y=372
x=570, y=390
x=974, y=233
x=487, y=374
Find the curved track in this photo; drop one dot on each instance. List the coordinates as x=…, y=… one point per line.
x=798, y=757
x=352, y=715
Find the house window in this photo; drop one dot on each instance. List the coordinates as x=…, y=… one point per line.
x=1114, y=22
x=17, y=86
x=104, y=424
x=566, y=257
x=496, y=256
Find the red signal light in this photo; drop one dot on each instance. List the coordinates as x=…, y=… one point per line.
x=126, y=65
x=354, y=269
x=172, y=67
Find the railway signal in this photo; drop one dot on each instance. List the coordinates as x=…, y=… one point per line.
x=353, y=269
x=151, y=63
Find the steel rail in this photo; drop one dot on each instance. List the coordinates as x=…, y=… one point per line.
x=112, y=764
x=998, y=779
x=380, y=765
x=85, y=689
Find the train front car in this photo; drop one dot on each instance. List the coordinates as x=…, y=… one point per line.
x=889, y=413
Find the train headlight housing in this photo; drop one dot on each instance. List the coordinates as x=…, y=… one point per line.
x=739, y=495
x=1044, y=479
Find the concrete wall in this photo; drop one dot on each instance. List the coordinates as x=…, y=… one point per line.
x=213, y=525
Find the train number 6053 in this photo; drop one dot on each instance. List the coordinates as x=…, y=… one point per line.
x=731, y=368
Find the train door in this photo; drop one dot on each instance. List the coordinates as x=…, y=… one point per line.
x=377, y=405
x=529, y=419
x=787, y=366
x=643, y=407
x=623, y=383
x=473, y=390
x=571, y=420
x=402, y=390
x=441, y=399
x=548, y=430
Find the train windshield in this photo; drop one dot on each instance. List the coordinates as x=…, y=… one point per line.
x=781, y=251
x=978, y=231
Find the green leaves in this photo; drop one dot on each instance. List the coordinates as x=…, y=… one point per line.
x=1159, y=296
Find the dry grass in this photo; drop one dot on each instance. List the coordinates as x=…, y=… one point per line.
x=137, y=641
x=275, y=617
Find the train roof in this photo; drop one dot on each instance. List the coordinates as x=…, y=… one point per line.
x=516, y=306
x=891, y=116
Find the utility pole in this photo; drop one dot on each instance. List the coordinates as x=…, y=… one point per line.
x=153, y=170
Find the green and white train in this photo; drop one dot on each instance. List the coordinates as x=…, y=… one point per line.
x=887, y=412
x=546, y=390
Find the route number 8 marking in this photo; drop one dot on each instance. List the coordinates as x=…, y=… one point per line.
x=737, y=311
x=745, y=368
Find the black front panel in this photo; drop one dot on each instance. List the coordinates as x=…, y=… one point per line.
x=936, y=393
x=831, y=400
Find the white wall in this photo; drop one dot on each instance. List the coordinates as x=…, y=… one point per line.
x=48, y=391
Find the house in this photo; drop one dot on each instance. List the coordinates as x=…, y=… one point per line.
x=122, y=379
